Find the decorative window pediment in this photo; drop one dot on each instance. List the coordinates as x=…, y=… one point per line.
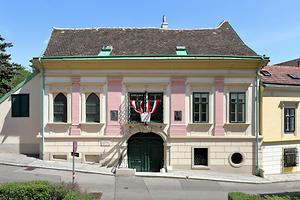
x=293, y=104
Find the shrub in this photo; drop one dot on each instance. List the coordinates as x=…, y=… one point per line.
x=244, y=196
x=41, y=190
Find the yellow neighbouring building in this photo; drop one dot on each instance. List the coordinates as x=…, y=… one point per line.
x=280, y=97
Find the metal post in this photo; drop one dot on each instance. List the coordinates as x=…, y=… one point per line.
x=73, y=168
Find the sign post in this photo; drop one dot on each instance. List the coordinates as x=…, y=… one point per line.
x=74, y=152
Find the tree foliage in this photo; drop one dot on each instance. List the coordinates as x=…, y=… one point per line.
x=8, y=69
x=22, y=74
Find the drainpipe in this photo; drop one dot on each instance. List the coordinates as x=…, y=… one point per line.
x=257, y=124
x=257, y=117
x=42, y=106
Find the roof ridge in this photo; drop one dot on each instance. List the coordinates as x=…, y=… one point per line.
x=96, y=28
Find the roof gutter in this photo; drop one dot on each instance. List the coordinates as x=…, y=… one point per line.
x=279, y=85
x=152, y=57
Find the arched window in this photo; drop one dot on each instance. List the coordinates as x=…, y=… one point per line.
x=60, y=108
x=92, y=108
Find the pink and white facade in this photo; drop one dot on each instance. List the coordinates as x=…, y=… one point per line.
x=205, y=119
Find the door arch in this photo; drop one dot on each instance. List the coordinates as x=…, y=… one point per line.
x=145, y=152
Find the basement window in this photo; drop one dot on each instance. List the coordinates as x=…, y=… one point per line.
x=200, y=157
x=290, y=157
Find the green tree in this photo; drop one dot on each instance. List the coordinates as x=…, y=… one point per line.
x=21, y=75
x=8, y=69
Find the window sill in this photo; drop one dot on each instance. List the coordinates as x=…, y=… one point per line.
x=59, y=123
x=289, y=135
x=201, y=167
x=91, y=124
x=200, y=124
x=236, y=124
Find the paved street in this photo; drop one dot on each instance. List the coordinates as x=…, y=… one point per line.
x=144, y=188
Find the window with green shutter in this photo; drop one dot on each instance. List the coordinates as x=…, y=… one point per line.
x=237, y=107
x=60, y=108
x=289, y=120
x=93, y=108
x=200, y=107
x=20, y=105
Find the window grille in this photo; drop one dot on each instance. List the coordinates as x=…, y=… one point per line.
x=291, y=158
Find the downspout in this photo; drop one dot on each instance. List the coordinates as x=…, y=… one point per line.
x=257, y=124
x=42, y=106
x=257, y=117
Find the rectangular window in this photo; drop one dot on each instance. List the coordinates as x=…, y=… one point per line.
x=290, y=157
x=200, y=107
x=289, y=120
x=20, y=105
x=200, y=157
x=140, y=99
x=237, y=107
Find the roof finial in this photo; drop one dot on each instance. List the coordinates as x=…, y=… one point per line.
x=164, y=24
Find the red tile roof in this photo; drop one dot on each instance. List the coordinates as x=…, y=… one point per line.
x=295, y=62
x=222, y=40
x=279, y=75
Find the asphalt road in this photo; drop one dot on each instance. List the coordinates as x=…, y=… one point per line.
x=130, y=188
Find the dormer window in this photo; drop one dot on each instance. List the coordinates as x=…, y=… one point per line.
x=293, y=76
x=105, y=50
x=181, y=51
x=265, y=73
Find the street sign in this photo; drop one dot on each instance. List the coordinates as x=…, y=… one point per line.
x=75, y=154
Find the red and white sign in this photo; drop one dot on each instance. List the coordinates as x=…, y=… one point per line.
x=74, y=146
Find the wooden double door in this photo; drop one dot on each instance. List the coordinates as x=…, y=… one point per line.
x=145, y=152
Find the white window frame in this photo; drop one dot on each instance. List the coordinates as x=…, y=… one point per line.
x=208, y=158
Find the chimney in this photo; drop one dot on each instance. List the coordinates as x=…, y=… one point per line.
x=164, y=24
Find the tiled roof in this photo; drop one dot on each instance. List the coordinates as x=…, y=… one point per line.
x=295, y=62
x=279, y=75
x=222, y=40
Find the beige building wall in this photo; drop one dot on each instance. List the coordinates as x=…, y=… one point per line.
x=273, y=102
x=19, y=134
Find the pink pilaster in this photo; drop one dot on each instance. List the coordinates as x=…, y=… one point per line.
x=114, y=92
x=177, y=104
x=75, y=128
x=219, y=107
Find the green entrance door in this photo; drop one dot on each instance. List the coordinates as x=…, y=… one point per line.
x=145, y=152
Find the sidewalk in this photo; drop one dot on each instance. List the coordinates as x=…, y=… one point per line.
x=24, y=161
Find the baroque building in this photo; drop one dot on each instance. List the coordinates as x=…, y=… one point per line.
x=141, y=98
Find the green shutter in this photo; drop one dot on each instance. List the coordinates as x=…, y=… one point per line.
x=20, y=105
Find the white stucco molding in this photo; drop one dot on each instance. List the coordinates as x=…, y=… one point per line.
x=141, y=128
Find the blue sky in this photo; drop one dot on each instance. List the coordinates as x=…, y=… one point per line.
x=269, y=27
